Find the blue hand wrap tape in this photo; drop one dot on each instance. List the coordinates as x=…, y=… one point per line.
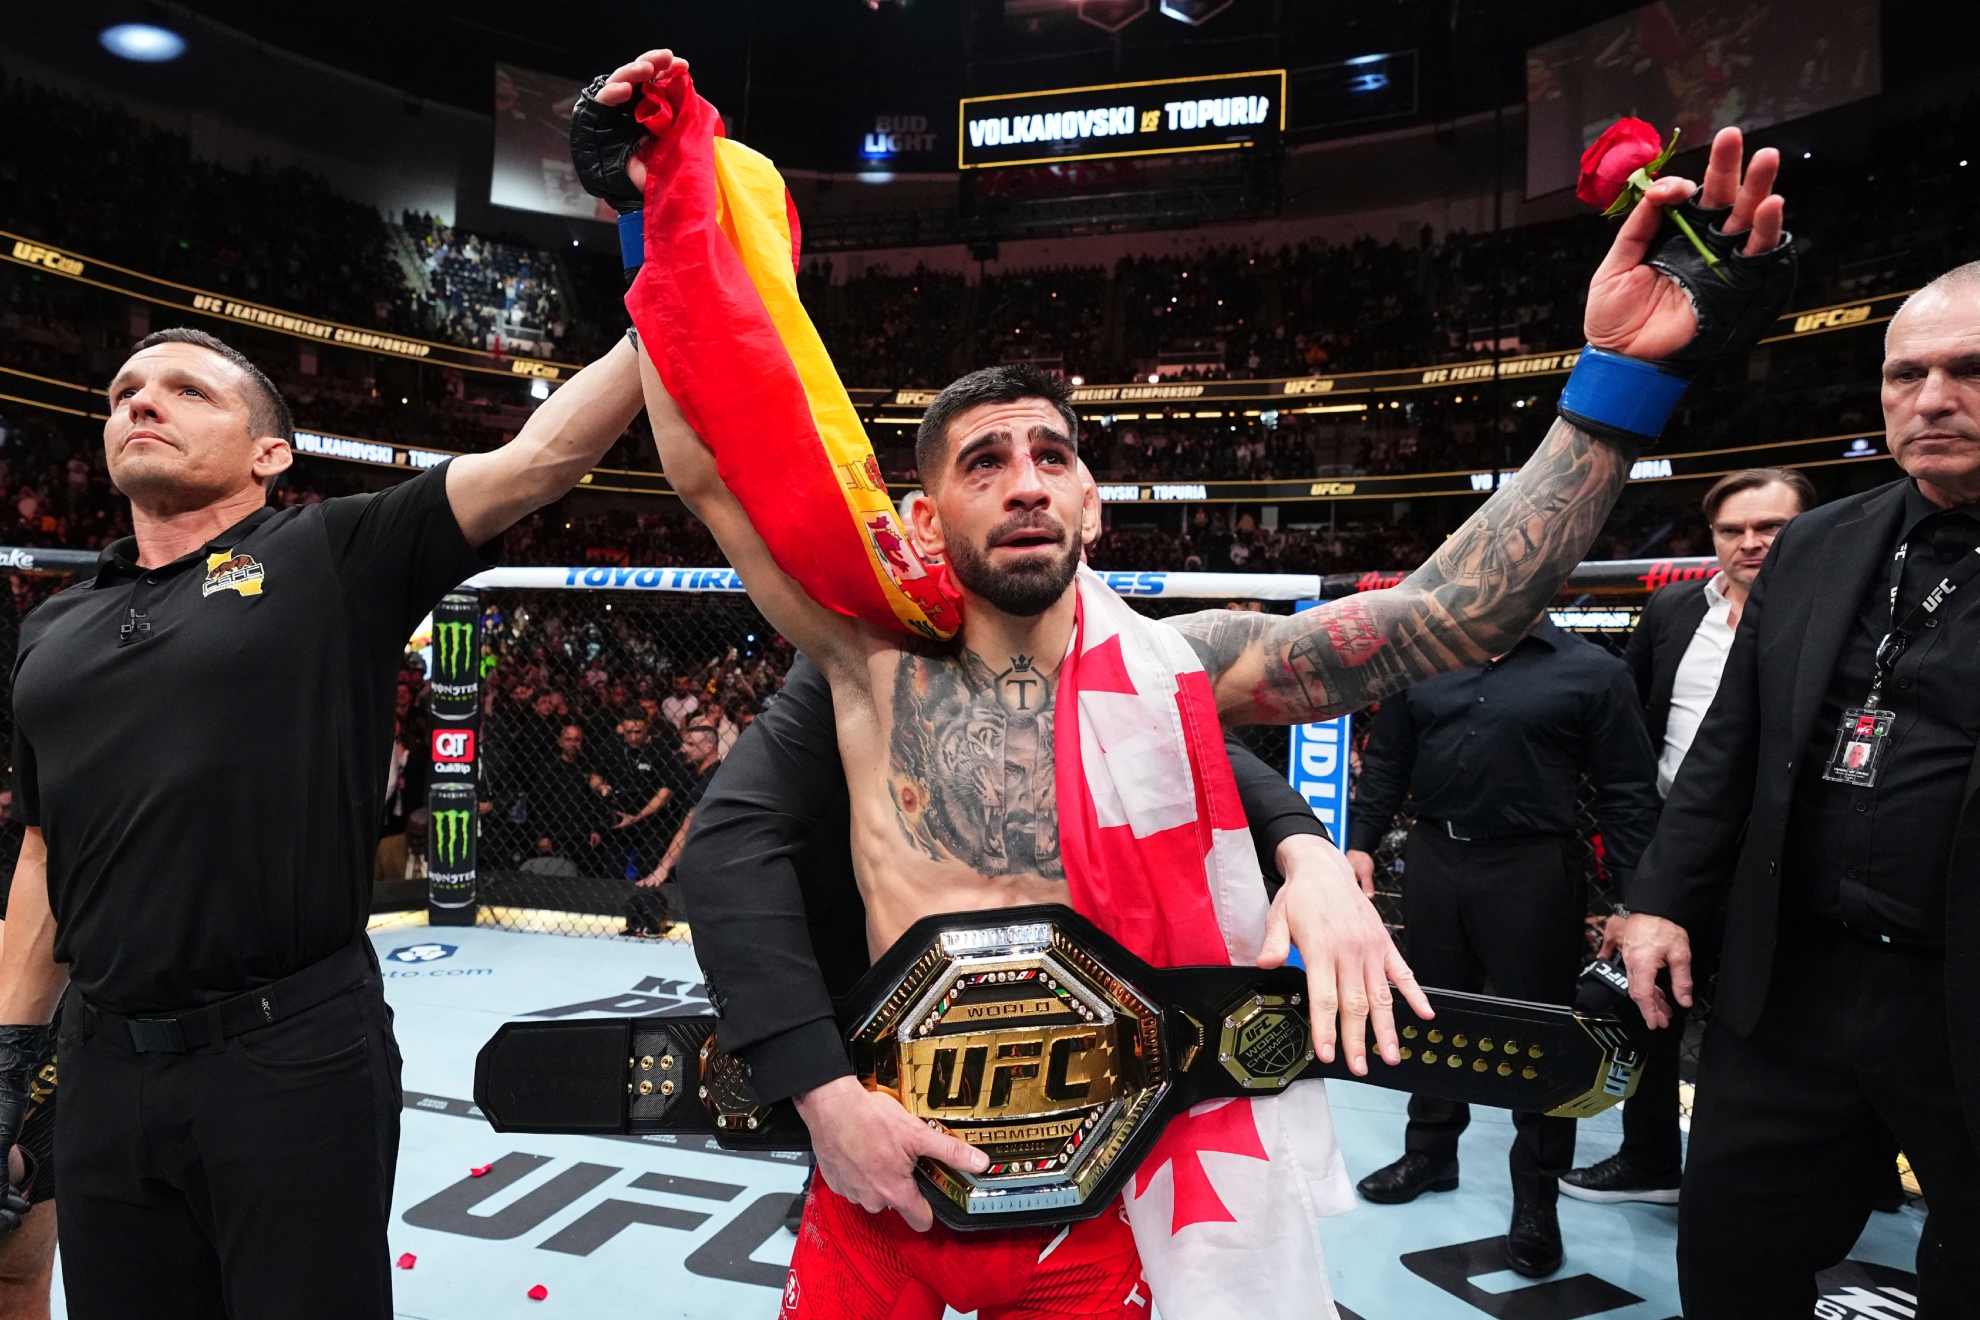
x=1622, y=393
x=632, y=239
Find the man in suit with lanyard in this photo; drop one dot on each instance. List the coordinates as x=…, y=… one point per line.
x=1828, y=803
x=1675, y=655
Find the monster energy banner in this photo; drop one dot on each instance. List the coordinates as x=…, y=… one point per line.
x=451, y=793
x=450, y=839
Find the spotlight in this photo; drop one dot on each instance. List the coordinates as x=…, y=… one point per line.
x=1079, y=380
x=144, y=42
x=1152, y=378
x=539, y=389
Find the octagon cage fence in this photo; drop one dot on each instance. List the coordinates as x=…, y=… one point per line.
x=586, y=674
x=539, y=782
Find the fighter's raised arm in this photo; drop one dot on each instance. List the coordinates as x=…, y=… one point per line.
x=729, y=363
x=827, y=637
x=1654, y=314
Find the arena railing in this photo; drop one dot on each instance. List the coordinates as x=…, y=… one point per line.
x=1842, y=448
x=46, y=258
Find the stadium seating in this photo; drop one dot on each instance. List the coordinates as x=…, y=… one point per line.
x=1876, y=219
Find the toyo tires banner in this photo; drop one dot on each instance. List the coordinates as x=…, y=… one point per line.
x=1592, y=575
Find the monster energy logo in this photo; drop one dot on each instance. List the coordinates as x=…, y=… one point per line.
x=451, y=839
x=451, y=645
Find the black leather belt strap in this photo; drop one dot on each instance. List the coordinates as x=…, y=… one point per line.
x=1463, y=833
x=197, y=1028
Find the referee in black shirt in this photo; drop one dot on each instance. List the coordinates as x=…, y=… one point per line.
x=200, y=746
x=1492, y=755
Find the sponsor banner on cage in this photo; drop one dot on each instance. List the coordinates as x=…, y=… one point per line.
x=452, y=797
x=451, y=837
x=456, y=656
x=1593, y=575
x=1317, y=764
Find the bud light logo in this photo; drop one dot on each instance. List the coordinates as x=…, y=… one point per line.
x=421, y=953
x=453, y=746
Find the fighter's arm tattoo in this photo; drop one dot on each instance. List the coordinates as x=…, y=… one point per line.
x=970, y=763
x=1475, y=597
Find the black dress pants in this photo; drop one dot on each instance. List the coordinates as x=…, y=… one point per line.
x=250, y=1180
x=1791, y=1134
x=1651, y=1137
x=1511, y=911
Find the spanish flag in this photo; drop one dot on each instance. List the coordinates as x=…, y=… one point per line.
x=717, y=309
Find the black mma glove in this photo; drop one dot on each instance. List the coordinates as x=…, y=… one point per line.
x=1736, y=301
x=21, y=1051
x=603, y=139
x=1626, y=400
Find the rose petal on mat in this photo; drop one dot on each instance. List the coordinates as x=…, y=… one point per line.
x=538, y=1293
x=479, y=1169
x=405, y=1262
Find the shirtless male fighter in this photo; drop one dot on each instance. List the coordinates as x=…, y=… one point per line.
x=997, y=453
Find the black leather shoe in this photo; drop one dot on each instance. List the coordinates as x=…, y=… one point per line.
x=1618, y=1179
x=1533, y=1243
x=1408, y=1178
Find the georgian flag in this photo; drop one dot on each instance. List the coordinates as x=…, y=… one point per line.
x=1157, y=854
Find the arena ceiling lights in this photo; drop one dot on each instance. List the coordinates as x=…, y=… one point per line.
x=1221, y=112
x=146, y=43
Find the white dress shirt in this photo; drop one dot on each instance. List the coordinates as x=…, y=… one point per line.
x=1697, y=682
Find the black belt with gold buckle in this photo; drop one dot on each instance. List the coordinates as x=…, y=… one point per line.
x=1032, y=1035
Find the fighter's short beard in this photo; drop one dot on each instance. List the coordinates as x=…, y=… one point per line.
x=1027, y=588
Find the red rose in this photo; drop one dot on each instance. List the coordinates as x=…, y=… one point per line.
x=1626, y=147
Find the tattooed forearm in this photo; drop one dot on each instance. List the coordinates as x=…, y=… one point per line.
x=1475, y=598
x=1221, y=637
x=971, y=768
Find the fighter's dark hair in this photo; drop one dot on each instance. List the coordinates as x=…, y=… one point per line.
x=1753, y=479
x=268, y=412
x=1003, y=384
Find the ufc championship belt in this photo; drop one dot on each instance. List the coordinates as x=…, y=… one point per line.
x=1033, y=1036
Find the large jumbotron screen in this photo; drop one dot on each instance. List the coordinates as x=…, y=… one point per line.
x=1697, y=65
x=532, y=168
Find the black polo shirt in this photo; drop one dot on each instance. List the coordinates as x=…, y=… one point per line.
x=1497, y=748
x=204, y=744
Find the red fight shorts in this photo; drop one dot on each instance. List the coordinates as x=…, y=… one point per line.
x=851, y=1265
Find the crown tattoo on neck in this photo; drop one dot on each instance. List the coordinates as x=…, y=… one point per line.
x=1020, y=663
